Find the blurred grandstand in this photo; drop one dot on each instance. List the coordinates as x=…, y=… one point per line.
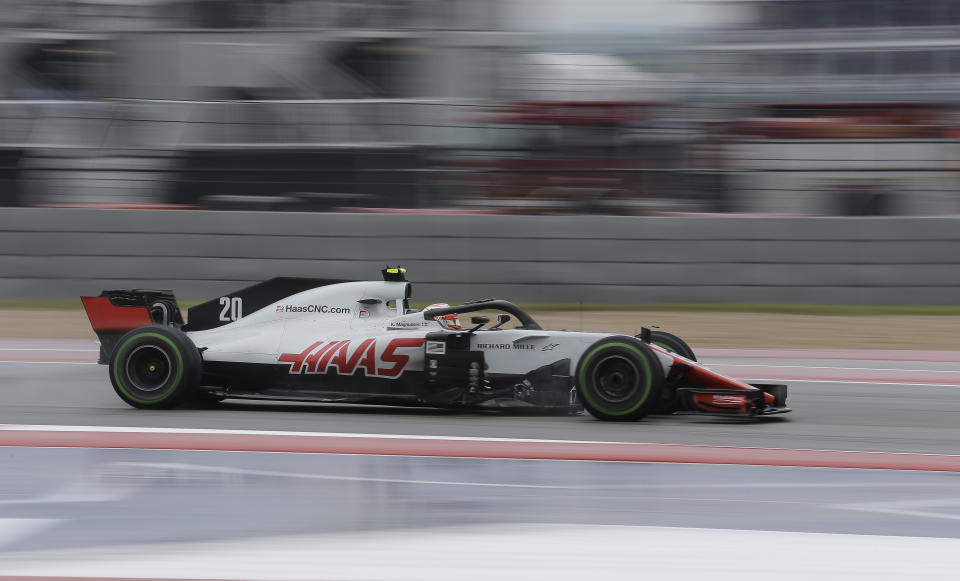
x=803, y=107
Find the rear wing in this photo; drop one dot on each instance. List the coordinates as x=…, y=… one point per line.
x=115, y=312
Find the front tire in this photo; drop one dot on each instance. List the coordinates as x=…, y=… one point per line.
x=155, y=367
x=619, y=379
x=672, y=343
x=668, y=397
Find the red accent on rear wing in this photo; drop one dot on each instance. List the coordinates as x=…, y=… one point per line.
x=105, y=316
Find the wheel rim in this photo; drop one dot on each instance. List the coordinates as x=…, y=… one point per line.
x=616, y=378
x=148, y=368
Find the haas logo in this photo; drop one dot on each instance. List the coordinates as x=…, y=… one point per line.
x=322, y=356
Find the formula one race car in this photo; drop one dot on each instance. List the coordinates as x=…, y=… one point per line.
x=301, y=339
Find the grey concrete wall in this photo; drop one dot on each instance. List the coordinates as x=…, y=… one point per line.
x=604, y=259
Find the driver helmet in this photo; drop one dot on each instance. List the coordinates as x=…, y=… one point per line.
x=451, y=321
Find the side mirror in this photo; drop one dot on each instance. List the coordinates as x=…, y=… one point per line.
x=478, y=322
x=502, y=319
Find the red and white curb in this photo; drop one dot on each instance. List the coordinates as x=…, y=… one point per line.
x=458, y=447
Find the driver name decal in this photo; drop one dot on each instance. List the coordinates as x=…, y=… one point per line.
x=346, y=357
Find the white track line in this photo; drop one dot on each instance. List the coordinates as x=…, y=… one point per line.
x=146, y=430
x=200, y=431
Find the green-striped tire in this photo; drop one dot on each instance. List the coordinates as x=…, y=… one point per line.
x=619, y=379
x=155, y=367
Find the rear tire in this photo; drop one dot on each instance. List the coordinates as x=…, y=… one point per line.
x=619, y=379
x=155, y=367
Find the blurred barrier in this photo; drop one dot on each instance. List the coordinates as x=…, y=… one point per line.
x=298, y=178
x=62, y=253
x=135, y=124
x=528, y=157
x=306, y=154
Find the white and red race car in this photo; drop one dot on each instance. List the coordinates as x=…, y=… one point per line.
x=359, y=342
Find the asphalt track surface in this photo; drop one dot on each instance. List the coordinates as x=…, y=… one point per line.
x=102, y=500
x=102, y=497
x=872, y=403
